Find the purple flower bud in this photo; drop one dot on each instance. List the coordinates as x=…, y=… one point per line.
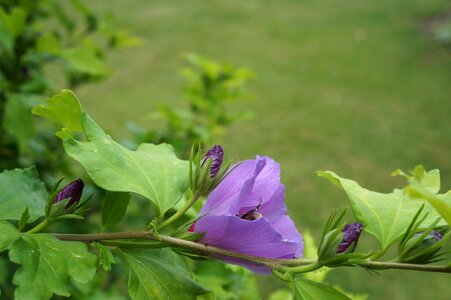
x=215, y=154
x=351, y=234
x=436, y=234
x=73, y=191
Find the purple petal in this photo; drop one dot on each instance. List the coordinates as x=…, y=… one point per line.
x=224, y=199
x=265, y=184
x=256, y=238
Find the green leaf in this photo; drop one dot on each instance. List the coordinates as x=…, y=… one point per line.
x=159, y=274
x=11, y=25
x=152, y=171
x=425, y=185
x=385, y=216
x=106, y=258
x=280, y=294
x=24, y=219
x=63, y=109
x=235, y=282
x=304, y=289
x=47, y=263
x=8, y=234
x=18, y=120
x=21, y=188
x=85, y=60
x=114, y=207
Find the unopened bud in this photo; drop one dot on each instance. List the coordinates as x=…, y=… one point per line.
x=422, y=249
x=215, y=154
x=351, y=234
x=72, y=191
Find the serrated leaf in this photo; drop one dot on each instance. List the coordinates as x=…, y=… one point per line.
x=21, y=188
x=159, y=274
x=114, y=207
x=152, y=171
x=304, y=289
x=63, y=110
x=385, y=216
x=8, y=234
x=47, y=264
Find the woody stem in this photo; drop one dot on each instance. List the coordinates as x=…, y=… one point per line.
x=269, y=262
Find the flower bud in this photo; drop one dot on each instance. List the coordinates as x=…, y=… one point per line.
x=351, y=234
x=422, y=249
x=73, y=191
x=215, y=154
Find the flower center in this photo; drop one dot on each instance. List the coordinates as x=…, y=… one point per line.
x=253, y=214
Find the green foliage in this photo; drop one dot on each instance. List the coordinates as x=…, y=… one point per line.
x=34, y=35
x=106, y=257
x=385, y=216
x=8, y=234
x=209, y=87
x=159, y=274
x=63, y=110
x=234, y=283
x=425, y=185
x=114, y=167
x=310, y=251
x=114, y=207
x=305, y=289
x=21, y=189
x=47, y=263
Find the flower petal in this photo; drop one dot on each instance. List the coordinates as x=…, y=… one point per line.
x=257, y=238
x=265, y=185
x=224, y=199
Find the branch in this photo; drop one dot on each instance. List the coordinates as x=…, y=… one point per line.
x=273, y=263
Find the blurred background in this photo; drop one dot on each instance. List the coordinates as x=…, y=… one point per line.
x=357, y=87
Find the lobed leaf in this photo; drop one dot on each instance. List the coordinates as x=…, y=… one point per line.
x=47, y=264
x=152, y=171
x=8, y=234
x=19, y=189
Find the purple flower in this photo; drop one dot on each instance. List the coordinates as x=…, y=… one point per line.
x=215, y=154
x=246, y=213
x=351, y=234
x=73, y=191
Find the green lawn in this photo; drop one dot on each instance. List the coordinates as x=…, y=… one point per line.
x=350, y=86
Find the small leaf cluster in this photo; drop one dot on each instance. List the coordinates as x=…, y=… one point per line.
x=209, y=87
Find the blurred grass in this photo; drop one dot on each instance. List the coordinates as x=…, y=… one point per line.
x=350, y=86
